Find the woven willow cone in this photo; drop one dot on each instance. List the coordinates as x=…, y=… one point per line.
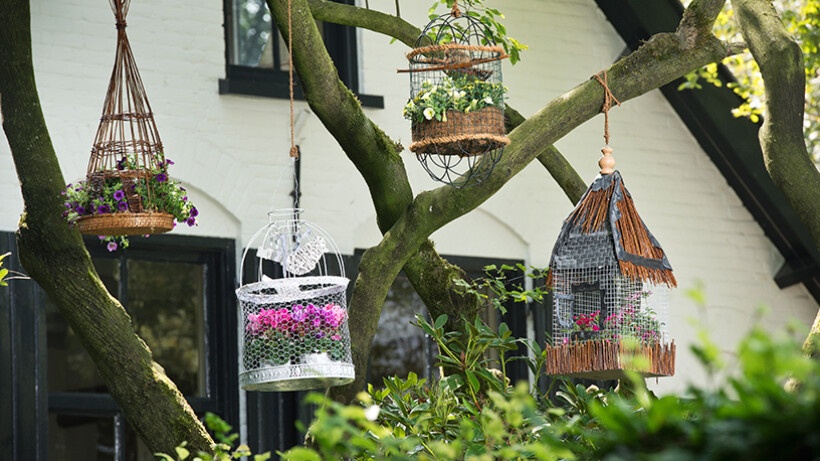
x=127, y=146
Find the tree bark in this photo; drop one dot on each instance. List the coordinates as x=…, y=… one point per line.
x=781, y=136
x=55, y=257
x=662, y=59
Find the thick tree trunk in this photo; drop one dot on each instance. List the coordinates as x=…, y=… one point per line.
x=56, y=258
x=664, y=58
x=781, y=136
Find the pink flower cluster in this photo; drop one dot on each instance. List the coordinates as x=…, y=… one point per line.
x=298, y=321
x=587, y=322
x=635, y=323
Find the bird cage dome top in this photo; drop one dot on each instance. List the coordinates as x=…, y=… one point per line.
x=299, y=246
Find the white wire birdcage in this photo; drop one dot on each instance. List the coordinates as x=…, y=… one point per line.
x=295, y=328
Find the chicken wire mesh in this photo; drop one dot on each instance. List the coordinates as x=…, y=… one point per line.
x=599, y=303
x=294, y=330
x=610, y=280
x=456, y=103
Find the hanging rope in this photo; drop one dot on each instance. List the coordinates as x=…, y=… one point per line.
x=608, y=98
x=455, y=11
x=294, y=152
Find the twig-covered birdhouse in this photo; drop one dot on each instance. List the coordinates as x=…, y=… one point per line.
x=610, y=279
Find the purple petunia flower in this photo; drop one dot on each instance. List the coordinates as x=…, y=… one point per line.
x=191, y=221
x=102, y=209
x=194, y=212
x=168, y=162
x=182, y=189
x=119, y=195
x=161, y=177
x=67, y=204
x=80, y=210
x=122, y=206
x=184, y=198
x=101, y=237
x=112, y=246
x=121, y=163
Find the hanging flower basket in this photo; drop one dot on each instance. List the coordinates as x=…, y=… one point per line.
x=456, y=103
x=295, y=328
x=127, y=190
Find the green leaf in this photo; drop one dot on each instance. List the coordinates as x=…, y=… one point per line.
x=182, y=452
x=164, y=456
x=300, y=454
x=473, y=380
x=440, y=321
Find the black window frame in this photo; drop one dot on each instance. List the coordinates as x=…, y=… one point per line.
x=341, y=44
x=24, y=348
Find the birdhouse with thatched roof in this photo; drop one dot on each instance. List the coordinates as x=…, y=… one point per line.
x=610, y=279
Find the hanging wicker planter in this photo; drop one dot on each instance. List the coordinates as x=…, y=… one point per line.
x=127, y=190
x=456, y=103
x=295, y=329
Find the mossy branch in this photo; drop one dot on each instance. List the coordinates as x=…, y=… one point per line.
x=56, y=259
x=781, y=136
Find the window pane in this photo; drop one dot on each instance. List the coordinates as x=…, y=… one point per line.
x=251, y=33
x=253, y=44
x=70, y=368
x=166, y=301
x=399, y=347
x=72, y=437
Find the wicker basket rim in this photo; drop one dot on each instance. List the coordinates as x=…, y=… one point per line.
x=455, y=46
x=464, y=137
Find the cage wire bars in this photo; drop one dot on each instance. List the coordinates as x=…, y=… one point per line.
x=454, y=68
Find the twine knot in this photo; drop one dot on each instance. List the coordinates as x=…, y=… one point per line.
x=121, y=24
x=608, y=98
x=294, y=151
x=455, y=11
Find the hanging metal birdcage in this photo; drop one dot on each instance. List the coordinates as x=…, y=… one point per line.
x=294, y=329
x=610, y=279
x=456, y=103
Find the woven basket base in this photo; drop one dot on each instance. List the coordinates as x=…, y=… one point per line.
x=601, y=359
x=126, y=223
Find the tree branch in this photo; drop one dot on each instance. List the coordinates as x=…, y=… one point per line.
x=662, y=59
x=350, y=15
x=395, y=27
x=375, y=156
x=781, y=135
x=56, y=259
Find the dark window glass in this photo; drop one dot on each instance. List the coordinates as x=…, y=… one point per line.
x=81, y=437
x=166, y=303
x=399, y=347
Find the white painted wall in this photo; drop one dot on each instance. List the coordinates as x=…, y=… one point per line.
x=230, y=149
